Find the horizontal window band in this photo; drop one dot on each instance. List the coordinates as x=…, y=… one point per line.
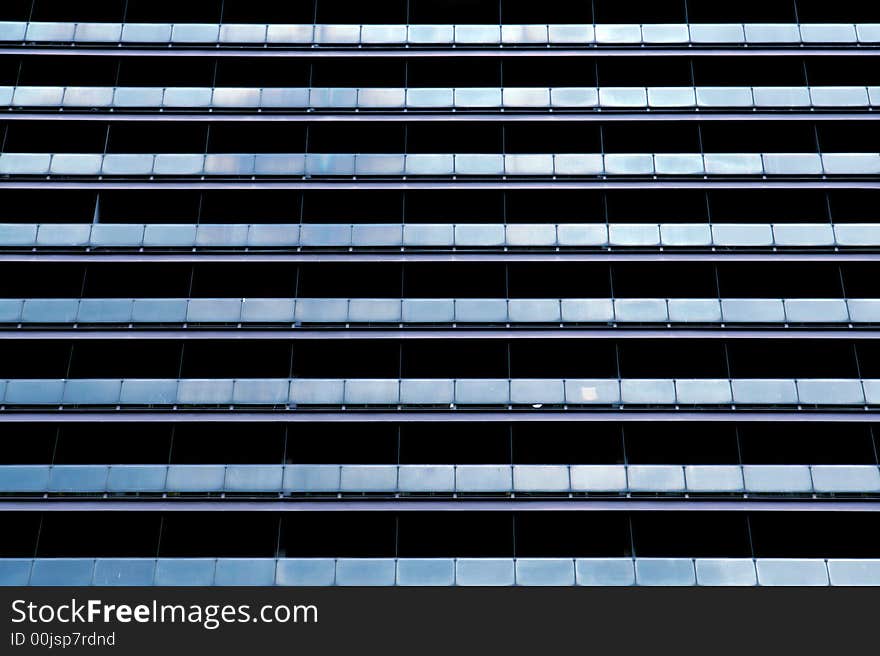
x=440, y=479
x=442, y=393
x=439, y=571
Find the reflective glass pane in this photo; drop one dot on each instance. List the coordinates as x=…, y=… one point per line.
x=366, y=571
x=426, y=571
x=791, y=571
x=604, y=571
x=427, y=392
x=483, y=478
x=726, y=571
x=540, y=478
x=205, y=391
x=714, y=478
x=772, y=33
x=195, y=478
x=372, y=391
x=764, y=391
x=311, y=478
x=655, y=478
x=124, y=571
x=368, y=478
x=245, y=571
x=185, y=571
x=484, y=571
x=544, y=571
x=777, y=478
x=426, y=478
x=665, y=571
x=305, y=571
x=598, y=478
x=595, y=391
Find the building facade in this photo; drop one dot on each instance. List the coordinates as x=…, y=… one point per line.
x=439, y=292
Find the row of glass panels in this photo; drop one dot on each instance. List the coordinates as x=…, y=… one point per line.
x=563, y=479
x=439, y=571
x=484, y=34
x=437, y=235
x=481, y=164
x=439, y=310
x=442, y=97
x=439, y=392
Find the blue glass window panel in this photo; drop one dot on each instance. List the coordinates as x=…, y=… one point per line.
x=643, y=310
x=24, y=163
x=839, y=96
x=136, y=478
x=581, y=234
x=322, y=310
x=714, y=478
x=483, y=478
x=846, y=478
x=569, y=33
x=311, y=478
x=620, y=33
x=772, y=33
x=18, y=234
x=54, y=32
x=88, y=96
x=34, y=391
x=733, y=164
x=15, y=571
x=634, y=234
x=379, y=164
x=517, y=34
x=372, y=391
x=864, y=310
x=118, y=235
x=148, y=392
x=337, y=34
x=665, y=571
x=374, y=310
x=12, y=31
x=764, y=391
x=368, y=478
x=428, y=310
x=665, y=33
x=188, y=97
x=526, y=97
x=480, y=310
x=540, y=478
x=305, y=571
x=285, y=97
x=195, y=478
x=231, y=164
x=98, y=32
x=104, y=310
x=629, y=164
x=78, y=478
x=84, y=391
x=598, y=478
x=604, y=571
x=430, y=34
x=390, y=98
x=717, y=33
x=724, y=96
x=777, y=478
x=703, y=391
x=185, y=571
x=477, y=34
x=526, y=234
x=10, y=310
x=671, y=97
x=290, y=34
x=851, y=163
x=206, y=391
x=49, y=310
x=536, y=310
x=195, y=33
x=484, y=571
x=623, y=97
x=24, y=478
x=267, y=310
x=124, y=571
x=426, y=571
x=695, y=310
x=847, y=234
x=473, y=97
x=545, y=571
x=428, y=234
x=423, y=164
x=38, y=96
x=317, y=392
x=328, y=234
x=334, y=97
x=262, y=391
x=781, y=96
x=536, y=391
x=830, y=392
x=63, y=234
x=792, y=164
x=213, y=310
x=245, y=571
x=371, y=34
x=846, y=571
x=868, y=33
x=127, y=164
x=828, y=33
x=426, y=478
x=166, y=310
x=678, y=164
x=178, y=164
x=574, y=97
x=242, y=33
x=265, y=235
x=592, y=391
x=479, y=234
x=726, y=571
x=146, y=32
x=365, y=571
x=170, y=234
x=528, y=164
x=655, y=478
x=814, y=310
x=427, y=392
x=803, y=234
x=288, y=164
x=479, y=164
x=62, y=571
x=752, y=310
x=220, y=234
x=743, y=234
x=253, y=478
x=791, y=571
x=430, y=98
